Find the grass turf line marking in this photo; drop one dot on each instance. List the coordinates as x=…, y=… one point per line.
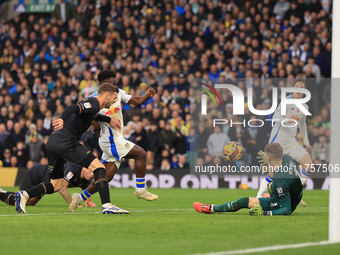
x=68, y=213
x=267, y=248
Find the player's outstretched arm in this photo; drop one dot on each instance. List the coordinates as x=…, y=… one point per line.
x=142, y=99
x=115, y=123
x=64, y=193
x=282, y=211
x=258, y=211
x=59, y=123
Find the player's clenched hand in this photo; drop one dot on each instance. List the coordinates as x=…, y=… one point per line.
x=291, y=119
x=88, y=203
x=256, y=211
x=151, y=92
x=115, y=123
x=309, y=148
x=96, y=128
x=58, y=124
x=261, y=158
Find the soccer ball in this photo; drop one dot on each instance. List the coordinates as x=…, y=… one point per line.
x=233, y=151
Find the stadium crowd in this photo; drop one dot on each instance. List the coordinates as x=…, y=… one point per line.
x=48, y=64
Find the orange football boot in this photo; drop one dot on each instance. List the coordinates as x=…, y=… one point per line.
x=202, y=208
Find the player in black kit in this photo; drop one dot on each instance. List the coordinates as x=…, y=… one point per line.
x=63, y=145
x=74, y=176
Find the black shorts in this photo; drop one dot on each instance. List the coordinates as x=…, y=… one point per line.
x=36, y=175
x=60, y=149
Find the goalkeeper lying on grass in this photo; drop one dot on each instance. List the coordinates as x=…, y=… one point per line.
x=285, y=190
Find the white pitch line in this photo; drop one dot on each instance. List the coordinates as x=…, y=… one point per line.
x=68, y=213
x=267, y=248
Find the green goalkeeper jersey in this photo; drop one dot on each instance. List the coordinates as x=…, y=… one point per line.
x=286, y=187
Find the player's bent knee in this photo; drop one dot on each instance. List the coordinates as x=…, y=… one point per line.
x=57, y=188
x=109, y=177
x=253, y=201
x=111, y=170
x=57, y=184
x=95, y=164
x=306, y=160
x=137, y=153
x=91, y=162
x=142, y=153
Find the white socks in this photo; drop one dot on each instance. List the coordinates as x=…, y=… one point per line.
x=264, y=186
x=304, y=176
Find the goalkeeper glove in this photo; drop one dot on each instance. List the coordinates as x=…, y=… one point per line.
x=256, y=211
x=261, y=158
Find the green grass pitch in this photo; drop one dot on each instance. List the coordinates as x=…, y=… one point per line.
x=167, y=226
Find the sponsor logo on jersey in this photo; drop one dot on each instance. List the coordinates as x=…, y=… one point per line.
x=112, y=111
x=87, y=105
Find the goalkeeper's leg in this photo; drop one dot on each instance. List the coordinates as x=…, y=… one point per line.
x=234, y=206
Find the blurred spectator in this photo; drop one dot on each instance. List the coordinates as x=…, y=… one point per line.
x=21, y=154
x=165, y=166
x=321, y=150
x=139, y=136
x=182, y=162
x=32, y=129
x=14, y=161
x=203, y=136
x=151, y=138
x=30, y=164
x=6, y=160
x=16, y=135
x=63, y=11
x=167, y=138
x=181, y=132
x=35, y=147
x=216, y=142
x=4, y=136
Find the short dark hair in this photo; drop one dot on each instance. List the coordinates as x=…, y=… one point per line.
x=106, y=75
x=299, y=80
x=107, y=87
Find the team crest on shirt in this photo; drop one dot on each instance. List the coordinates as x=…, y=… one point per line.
x=87, y=105
x=280, y=191
x=127, y=145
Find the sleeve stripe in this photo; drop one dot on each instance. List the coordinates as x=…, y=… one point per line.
x=80, y=109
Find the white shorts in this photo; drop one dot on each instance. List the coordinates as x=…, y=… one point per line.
x=114, y=150
x=295, y=150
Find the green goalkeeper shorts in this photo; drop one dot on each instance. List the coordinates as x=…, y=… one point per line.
x=269, y=204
